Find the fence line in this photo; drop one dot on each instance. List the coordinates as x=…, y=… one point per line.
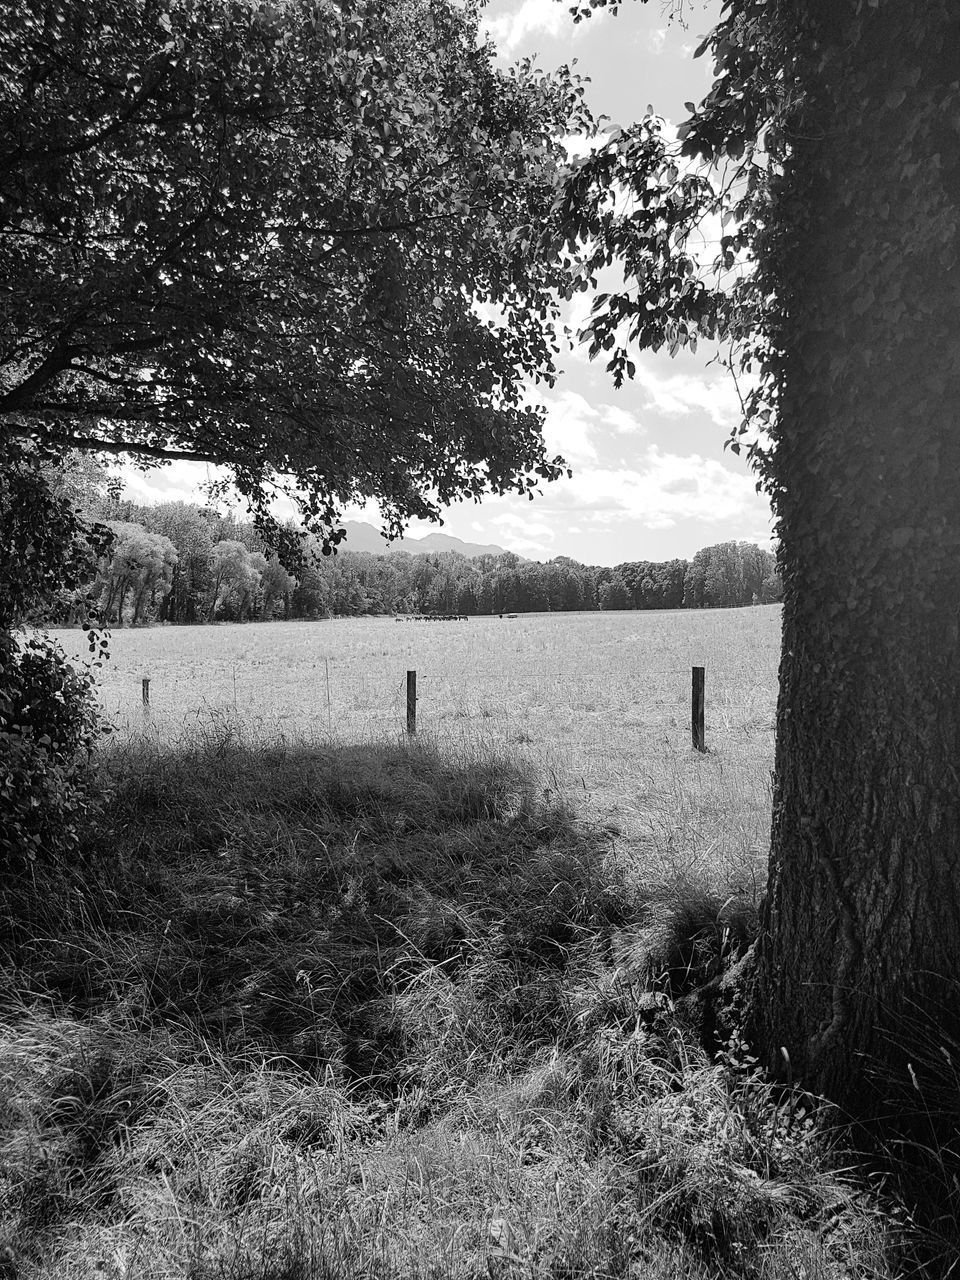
x=697, y=703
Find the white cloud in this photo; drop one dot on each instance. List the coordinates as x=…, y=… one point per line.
x=534, y=17
x=577, y=314
x=574, y=427
x=174, y=482
x=620, y=421
x=527, y=537
x=678, y=395
x=656, y=39
x=673, y=395
x=578, y=145
x=663, y=490
x=762, y=534
x=566, y=430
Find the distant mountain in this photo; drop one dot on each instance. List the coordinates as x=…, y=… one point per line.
x=362, y=536
x=437, y=542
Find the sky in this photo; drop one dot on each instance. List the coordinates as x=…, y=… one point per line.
x=652, y=480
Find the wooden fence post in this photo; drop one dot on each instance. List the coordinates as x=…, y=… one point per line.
x=146, y=695
x=329, y=712
x=411, y=702
x=696, y=710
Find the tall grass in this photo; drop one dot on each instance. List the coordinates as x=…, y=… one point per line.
x=308, y=1011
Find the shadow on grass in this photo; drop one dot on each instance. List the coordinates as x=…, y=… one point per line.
x=283, y=901
x=308, y=1012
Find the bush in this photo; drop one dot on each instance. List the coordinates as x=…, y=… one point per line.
x=48, y=716
x=48, y=726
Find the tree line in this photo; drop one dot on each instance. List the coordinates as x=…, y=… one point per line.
x=181, y=563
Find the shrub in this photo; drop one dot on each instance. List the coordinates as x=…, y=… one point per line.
x=48, y=718
x=48, y=726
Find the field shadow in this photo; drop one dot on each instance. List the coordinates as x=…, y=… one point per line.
x=290, y=900
x=317, y=1005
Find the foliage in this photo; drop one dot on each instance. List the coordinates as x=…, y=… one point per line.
x=192, y=536
x=85, y=481
x=236, y=575
x=277, y=587
x=654, y=585
x=48, y=721
x=47, y=550
x=140, y=565
x=297, y=239
x=48, y=726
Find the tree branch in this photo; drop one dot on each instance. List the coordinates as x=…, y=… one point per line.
x=93, y=444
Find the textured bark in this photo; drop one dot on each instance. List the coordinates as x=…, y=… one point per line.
x=858, y=966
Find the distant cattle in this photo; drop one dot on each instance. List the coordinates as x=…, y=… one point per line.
x=432, y=617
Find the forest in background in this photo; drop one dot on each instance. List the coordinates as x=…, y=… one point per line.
x=179, y=562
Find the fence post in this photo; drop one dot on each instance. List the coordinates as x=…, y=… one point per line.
x=696, y=710
x=146, y=695
x=411, y=702
x=329, y=712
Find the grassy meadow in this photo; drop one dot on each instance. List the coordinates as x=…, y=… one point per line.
x=597, y=703
x=318, y=1002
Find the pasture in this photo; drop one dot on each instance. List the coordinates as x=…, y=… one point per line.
x=598, y=703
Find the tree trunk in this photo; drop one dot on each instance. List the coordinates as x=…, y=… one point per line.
x=139, y=598
x=125, y=588
x=110, y=595
x=858, y=964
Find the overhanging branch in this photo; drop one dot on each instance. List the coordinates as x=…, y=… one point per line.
x=94, y=444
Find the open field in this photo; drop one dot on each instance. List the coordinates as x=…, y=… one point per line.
x=599, y=703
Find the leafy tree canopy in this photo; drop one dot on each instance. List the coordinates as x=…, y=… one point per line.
x=258, y=233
